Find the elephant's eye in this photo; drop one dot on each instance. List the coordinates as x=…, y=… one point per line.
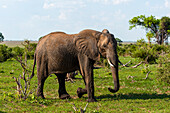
x=103, y=50
x=104, y=45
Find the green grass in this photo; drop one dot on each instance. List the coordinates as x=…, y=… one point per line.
x=135, y=95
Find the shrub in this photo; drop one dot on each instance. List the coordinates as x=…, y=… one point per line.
x=121, y=50
x=5, y=53
x=163, y=72
x=17, y=51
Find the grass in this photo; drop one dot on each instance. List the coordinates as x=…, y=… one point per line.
x=135, y=95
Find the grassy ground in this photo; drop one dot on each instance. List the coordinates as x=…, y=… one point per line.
x=135, y=95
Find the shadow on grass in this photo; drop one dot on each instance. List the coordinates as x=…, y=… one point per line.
x=2, y=112
x=134, y=96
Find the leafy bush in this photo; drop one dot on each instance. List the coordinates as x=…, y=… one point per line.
x=17, y=51
x=121, y=50
x=148, y=53
x=5, y=53
x=163, y=72
x=30, y=54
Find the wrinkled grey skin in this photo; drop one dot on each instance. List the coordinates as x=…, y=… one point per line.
x=61, y=53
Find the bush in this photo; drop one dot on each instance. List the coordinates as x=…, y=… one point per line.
x=5, y=53
x=163, y=72
x=121, y=50
x=17, y=51
x=30, y=54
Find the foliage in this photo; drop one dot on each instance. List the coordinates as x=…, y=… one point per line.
x=5, y=53
x=165, y=27
x=163, y=71
x=1, y=37
x=149, y=35
x=17, y=51
x=146, y=52
x=119, y=41
x=159, y=27
x=121, y=50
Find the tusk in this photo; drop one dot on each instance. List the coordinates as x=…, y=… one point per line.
x=110, y=63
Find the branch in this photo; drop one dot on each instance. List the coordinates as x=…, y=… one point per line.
x=124, y=65
x=22, y=64
x=147, y=75
x=137, y=64
x=85, y=107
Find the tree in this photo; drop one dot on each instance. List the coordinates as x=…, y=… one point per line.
x=153, y=25
x=164, y=28
x=1, y=37
x=119, y=41
x=149, y=35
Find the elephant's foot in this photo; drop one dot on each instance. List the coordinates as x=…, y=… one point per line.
x=91, y=100
x=65, y=96
x=81, y=92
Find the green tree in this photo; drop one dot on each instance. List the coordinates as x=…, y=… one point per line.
x=153, y=25
x=1, y=37
x=165, y=28
x=119, y=41
x=149, y=35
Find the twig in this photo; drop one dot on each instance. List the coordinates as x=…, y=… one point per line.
x=76, y=110
x=18, y=85
x=70, y=79
x=124, y=65
x=137, y=64
x=85, y=107
x=130, y=77
x=147, y=75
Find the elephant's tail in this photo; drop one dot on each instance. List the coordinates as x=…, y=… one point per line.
x=32, y=75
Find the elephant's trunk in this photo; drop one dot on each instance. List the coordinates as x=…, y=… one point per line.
x=114, y=68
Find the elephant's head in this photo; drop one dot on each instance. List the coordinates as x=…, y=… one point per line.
x=93, y=44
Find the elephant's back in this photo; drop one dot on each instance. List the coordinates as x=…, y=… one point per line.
x=55, y=39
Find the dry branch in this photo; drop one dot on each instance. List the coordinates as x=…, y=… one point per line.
x=76, y=109
x=138, y=64
x=147, y=75
x=124, y=65
x=18, y=85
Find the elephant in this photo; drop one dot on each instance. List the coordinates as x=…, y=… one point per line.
x=60, y=53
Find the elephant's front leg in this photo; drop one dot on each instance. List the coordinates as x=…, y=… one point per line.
x=90, y=85
x=86, y=69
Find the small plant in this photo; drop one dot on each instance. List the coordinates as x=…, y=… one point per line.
x=23, y=90
x=146, y=69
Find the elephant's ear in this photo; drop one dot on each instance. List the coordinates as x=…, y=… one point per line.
x=88, y=46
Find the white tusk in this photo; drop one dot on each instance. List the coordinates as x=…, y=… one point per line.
x=110, y=63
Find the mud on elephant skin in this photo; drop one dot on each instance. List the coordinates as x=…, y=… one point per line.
x=61, y=53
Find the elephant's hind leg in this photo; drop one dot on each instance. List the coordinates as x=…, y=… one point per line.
x=40, y=87
x=62, y=90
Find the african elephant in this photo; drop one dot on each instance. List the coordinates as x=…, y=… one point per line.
x=60, y=53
